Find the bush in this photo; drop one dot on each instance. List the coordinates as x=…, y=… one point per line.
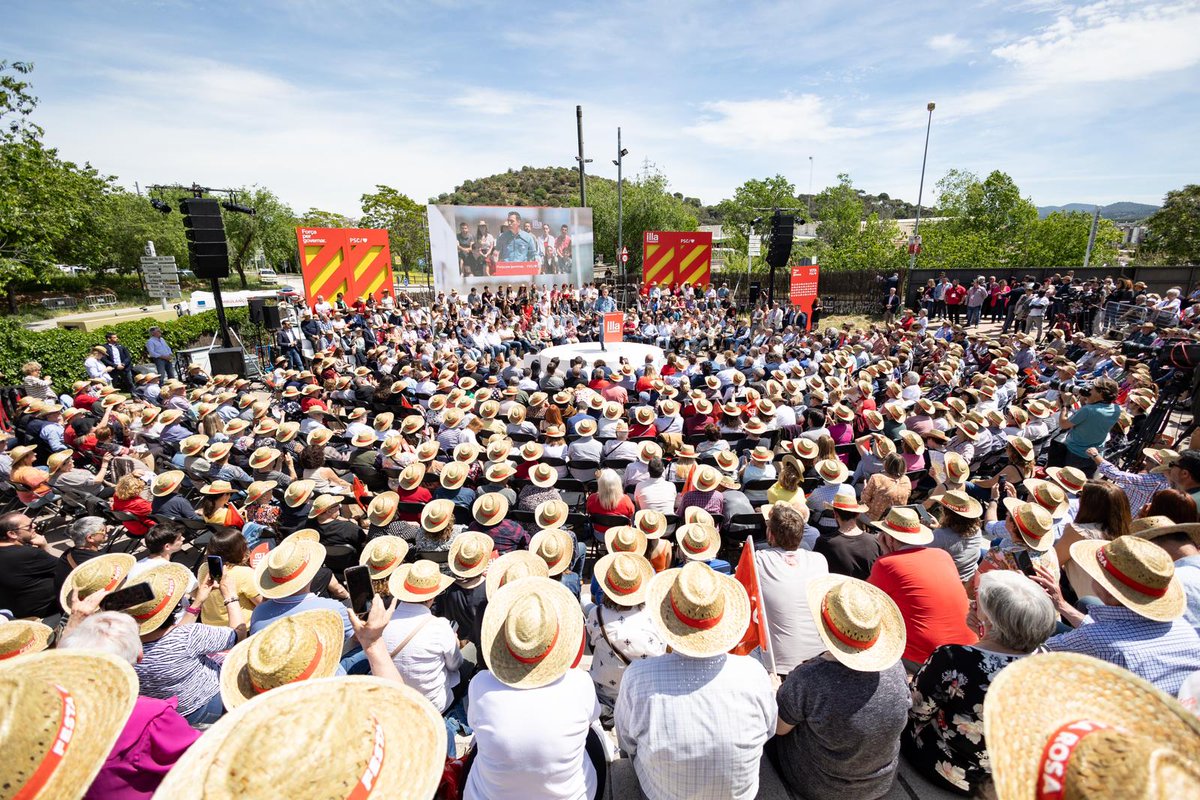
x=61, y=352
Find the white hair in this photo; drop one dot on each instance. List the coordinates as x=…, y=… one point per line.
x=109, y=632
x=1019, y=611
x=84, y=527
x=608, y=487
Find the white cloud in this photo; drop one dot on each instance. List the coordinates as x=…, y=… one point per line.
x=949, y=44
x=749, y=124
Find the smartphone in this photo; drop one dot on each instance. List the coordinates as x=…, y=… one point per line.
x=358, y=584
x=1024, y=562
x=1003, y=486
x=216, y=567
x=128, y=597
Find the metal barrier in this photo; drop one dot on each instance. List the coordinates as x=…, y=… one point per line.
x=1123, y=315
x=59, y=302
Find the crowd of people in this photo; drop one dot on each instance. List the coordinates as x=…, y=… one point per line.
x=409, y=561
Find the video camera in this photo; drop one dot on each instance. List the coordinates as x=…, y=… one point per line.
x=1071, y=387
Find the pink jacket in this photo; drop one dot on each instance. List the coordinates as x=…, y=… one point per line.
x=154, y=738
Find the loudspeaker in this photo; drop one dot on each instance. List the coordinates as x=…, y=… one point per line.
x=227, y=361
x=755, y=292
x=256, y=309
x=205, y=233
x=271, y=319
x=780, y=249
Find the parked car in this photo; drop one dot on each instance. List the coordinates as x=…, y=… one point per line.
x=268, y=276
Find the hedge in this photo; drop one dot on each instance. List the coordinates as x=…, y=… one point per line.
x=61, y=352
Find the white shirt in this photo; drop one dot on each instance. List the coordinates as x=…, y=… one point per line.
x=658, y=495
x=430, y=662
x=530, y=741
x=632, y=632
x=695, y=727
x=783, y=577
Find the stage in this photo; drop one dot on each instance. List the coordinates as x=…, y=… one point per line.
x=590, y=352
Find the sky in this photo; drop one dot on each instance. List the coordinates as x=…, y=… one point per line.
x=1091, y=102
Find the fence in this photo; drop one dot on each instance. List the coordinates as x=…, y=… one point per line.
x=1157, y=279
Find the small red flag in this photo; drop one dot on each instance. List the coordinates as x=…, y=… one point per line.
x=746, y=574
x=359, y=492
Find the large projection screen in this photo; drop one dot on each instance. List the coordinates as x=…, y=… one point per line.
x=517, y=245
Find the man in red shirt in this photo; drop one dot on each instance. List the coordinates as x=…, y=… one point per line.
x=954, y=300
x=924, y=583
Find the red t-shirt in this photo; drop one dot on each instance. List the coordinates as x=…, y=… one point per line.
x=955, y=295
x=135, y=505
x=417, y=495
x=925, y=585
x=624, y=506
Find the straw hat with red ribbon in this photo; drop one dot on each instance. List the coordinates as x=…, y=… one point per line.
x=1137, y=572
x=470, y=552
x=289, y=567
x=846, y=500
x=382, y=555
x=418, y=582
x=513, y=566
x=625, y=539
x=1070, y=478
x=169, y=583
x=1049, y=496
x=294, y=648
x=554, y=546
x=437, y=515
x=698, y=541
x=624, y=578
x=860, y=625
x=1034, y=524
x=21, y=636
x=699, y=612
x=903, y=525
x=961, y=504
x=105, y=572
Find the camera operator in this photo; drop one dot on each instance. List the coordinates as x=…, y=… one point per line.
x=1090, y=425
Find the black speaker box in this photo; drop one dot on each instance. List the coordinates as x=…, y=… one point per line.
x=271, y=319
x=227, y=361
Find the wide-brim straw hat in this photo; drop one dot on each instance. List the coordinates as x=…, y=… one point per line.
x=287, y=431
x=860, y=625
x=453, y=475
x=217, y=451
x=295, y=648
x=169, y=582
x=466, y=452
x=102, y=573
x=263, y=457
x=67, y=709
x=551, y=513
x=832, y=470
x=532, y=632
x=377, y=738
x=1023, y=446
x=418, y=582
x=437, y=515
x=217, y=487
x=624, y=577
x=382, y=555
x=166, y=482
x=1070, y=478
x=1164, y=458
x=21, y=636
x=707, y=478
x=1034, y=523
x=543, y=476
x=698, y=541
x=470, y=553
x=192, y=445
x=586, y=427
x=903, y=525
x=298, y=493
x=1163, y=526
x=490, y=508
x=382, y=509
x=1092, y=728
x=323, y=503
x=913, y=440
x=697, y=611
x=961, y=503
x=651, y=523
x=805, y=448
x=625, y=539
x=258, y=488
x=289, y=567
x=513, y=566
x=500, y=471
x=648, y=451
x=1048, y=495
x=411, y=476
x=555, y=547
x=1136, y=571
x=846, y=500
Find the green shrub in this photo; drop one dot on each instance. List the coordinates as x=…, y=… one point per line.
x=61, y=352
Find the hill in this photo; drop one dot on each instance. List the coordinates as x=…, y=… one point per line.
x=527, y=186
x=1117, y=212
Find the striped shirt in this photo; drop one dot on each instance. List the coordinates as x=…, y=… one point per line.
x=180, y=664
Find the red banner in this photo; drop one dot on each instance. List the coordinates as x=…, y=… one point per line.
x=510, y=269
x=613, y=323
x=803, y=289
x=353, y=262
x=674, y=257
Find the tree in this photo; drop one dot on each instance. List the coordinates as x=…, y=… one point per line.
x=404, y=220
x=647, y=205
x=1060, y=240
x=271, y=228
x=755, y=198
x=1175, y=228
x=988, y=224
x=316, y=218
x=840, y=211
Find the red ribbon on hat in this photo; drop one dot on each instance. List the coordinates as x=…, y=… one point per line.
x=58, y=749
x=1056, y=757
x=619, y=589
x=366, y=784
x=420, y=589
x=857, y=644
x=303, y=676
x=692, y=622
x=902, y=528
x=290, y=575
x=1113, y=570
x=167, y=598
x=540, y=656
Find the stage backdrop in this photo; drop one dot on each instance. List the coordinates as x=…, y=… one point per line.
x=353, y=261
x=489, y=245
x=803, y=289
x=670, y=257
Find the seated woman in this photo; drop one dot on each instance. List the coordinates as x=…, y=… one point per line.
x=891, y=487
x=959, y=531
x=944, y=738
x=788, y=486
x=609, y=498
x=325, y=480
x=132, y=496
x=1021, y=464
x=216, y=509
x=231, y=547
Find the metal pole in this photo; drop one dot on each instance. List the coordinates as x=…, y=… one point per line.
x=810, y=181
x=749, y=233
x=620, y=220
x=580, y=158
x=216, y=290
x=912, y=259
x=1087, y=256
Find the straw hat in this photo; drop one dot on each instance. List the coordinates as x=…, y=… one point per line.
x=624, y=577
x=382, y=555
x=625, y=539
x=762, y=455
x=648, y=451
x=382, y=509
x=217, y=451
x=466, y=452
x=298, y=492
x=1070, y=478
x=1093, y=731
x=294, y=648
x=957, y=469
x=169, y=582
x=21, y=637
x=846, y=500
x=387, y=740
x=970, y=430
x=289, y=567
x=469, y=554
x=1033, y=522
x=1163, y=458
x=498, y=449
x=961, y=503
x=913, y=440
x=651, y=523
x=66, y=709
x=1136, y=571
x=843, y=413
x=831, y=470
x=586, y=427
x=727, y=460
x=258, y=488
x=555, y=547
x=903, y=525
x=707, y=478
x=427, y=451
x=501, y=471
x=698, y=541
x=323, y=503
x=166, y=482
x=454, y=475
x=419, y=582
x=1023, y=446
x=805, y=448
x=217, y=487
x=437, y=515
x=755, y=427
x=1156, y=526
x=860, y=625
x=1049, y=496
x=192, y=445
x=106, y=572
x=543, y=476
x=698, y=612
x=873, y=419
x=411, y=476
x=513, y=566
x=695, y=515
x=490, y=508
x=532, y=633
x=287, y=431
x=550, y=514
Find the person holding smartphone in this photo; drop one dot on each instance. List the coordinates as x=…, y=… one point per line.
x=1024, y=541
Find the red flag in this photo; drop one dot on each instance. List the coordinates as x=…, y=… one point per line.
x=359, y=492
x=746, y=574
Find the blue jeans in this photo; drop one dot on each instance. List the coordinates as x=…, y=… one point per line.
x=295, y=359
x=208, y=713
x=165, y=367
x=973, y=314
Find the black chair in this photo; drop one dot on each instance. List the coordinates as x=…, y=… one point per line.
x=756, y=490
x=463, y=515
x=742, y=525
x=340, y=556
x=407, y=509
x=526, y=518
x=851, y=452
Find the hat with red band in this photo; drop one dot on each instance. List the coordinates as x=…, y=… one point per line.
x=1136, y=571
x=289, y=567
x=532, y=632
x=418, y=582
x=294, y=648
x=511, y=567
x=861, y=626
x=903, y=525
x=106, y=572
x=169, y=583
x=21, y=636
x=1070, y=478
x=555, y=547
x=624, y=578
x=1033, y=522
x=382, y=555
x=470, y=553
x=699, y=612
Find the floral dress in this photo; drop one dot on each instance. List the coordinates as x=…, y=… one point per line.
x=944, y=737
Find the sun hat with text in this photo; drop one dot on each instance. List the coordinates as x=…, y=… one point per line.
x=294, y=648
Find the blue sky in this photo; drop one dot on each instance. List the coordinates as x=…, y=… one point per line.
x=1079, y=102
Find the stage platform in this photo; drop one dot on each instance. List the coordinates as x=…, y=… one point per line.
x=590, y=352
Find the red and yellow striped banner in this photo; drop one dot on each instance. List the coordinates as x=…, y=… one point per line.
x=353, y=262
x=675, y=257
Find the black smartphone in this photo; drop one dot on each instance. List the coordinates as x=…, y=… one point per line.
x=1024, y=562
x=216, y=567
x=128, y=597
x=358, y=584
x=1003, y=484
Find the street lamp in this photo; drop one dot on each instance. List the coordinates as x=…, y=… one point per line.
x=621, y=153
x=915, y=247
